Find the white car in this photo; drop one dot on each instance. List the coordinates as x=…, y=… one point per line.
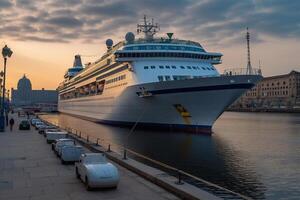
x=34, y=120
x=52, y=136
x=60, y=143
x=71, y=153
x=50, y=130
x=94, y=170
x=39, y=125
x=43, y=128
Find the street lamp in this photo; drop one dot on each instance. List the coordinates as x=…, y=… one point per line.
x=6, y=53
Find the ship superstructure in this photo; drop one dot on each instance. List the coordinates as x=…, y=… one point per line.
x=157, y=82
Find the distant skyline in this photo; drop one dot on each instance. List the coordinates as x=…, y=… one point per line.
x=45, y=35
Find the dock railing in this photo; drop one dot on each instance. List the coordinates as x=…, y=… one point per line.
x=241, y=71
x=181, y=175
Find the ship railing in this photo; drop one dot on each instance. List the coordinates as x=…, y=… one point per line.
x=241, y=71
x=181, y=175
x=166, y=40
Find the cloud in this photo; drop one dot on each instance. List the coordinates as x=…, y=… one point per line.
x=5, y=4
x=216, y=22
x=64, y=22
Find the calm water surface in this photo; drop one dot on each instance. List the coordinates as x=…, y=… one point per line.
x=256, y=154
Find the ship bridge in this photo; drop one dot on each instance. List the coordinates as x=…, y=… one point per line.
x=186, y=51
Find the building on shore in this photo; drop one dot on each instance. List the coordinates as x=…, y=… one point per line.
x=275, y=92
x=24, y=96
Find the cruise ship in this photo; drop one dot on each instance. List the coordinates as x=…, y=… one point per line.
x=153, y=82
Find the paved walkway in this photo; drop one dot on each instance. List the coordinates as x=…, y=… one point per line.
x=30, y=170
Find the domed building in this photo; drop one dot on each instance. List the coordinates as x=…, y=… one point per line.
x=25, y=96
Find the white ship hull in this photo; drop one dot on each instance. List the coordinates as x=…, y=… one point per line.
x=191, y=105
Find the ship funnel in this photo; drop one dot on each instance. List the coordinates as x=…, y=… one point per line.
x=77, y=61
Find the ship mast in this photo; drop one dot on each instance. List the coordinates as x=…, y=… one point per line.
x=249, y=67
x=148, y=28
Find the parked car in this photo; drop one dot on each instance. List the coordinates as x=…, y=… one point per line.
x=34, y=120
x=60, y=143
x=71, y=153
x=24, y=125
x=94, y=170
x=39, y=124
x=43, y=128
x=50, y=130
x=52, y=136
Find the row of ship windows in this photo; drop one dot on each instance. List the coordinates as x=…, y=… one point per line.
x=168, y=54
x=122, y=77
x=164, y=47
x=181, y=67
x=95, y=88
x=169, y=78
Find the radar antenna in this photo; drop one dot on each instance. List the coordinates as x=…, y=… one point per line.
x=249, y=67
x=148, y=28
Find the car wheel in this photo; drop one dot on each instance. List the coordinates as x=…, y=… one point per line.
x=87, y=185
x=77, y=173
x=115, y=187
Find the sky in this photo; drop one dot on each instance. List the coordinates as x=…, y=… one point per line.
x=45, y=35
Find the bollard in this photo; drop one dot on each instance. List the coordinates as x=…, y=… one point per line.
x=125, y=154
x=76, y=132
x=87, y=138
x=108, y=150
x=179, y=182
x=79, y=134
x=97, y=143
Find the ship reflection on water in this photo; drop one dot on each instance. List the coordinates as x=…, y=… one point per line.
x=240, y=155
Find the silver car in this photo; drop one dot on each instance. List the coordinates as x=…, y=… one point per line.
x=94, y=170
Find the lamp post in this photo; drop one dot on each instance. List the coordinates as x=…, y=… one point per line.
x=6, y=53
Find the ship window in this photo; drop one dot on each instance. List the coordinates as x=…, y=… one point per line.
x=194, y=67
x=161, y=67
x=207, y=68
x=173, y=67
x=160, y=78
x=203, y=68
x=168, y=78
x=146, y=67
x=152, y=67
x=182, y=67
x=189, y=67
x=168, y=67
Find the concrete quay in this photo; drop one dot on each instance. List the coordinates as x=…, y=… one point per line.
x=29, y=170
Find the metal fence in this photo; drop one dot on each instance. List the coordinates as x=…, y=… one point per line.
x=242, y=71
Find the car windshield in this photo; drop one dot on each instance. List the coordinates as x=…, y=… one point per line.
x=93, y=159
x=70, y=142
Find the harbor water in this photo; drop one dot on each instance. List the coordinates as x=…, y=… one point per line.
x=255, y=154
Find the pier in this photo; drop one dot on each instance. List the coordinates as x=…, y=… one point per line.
x=30, y=170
